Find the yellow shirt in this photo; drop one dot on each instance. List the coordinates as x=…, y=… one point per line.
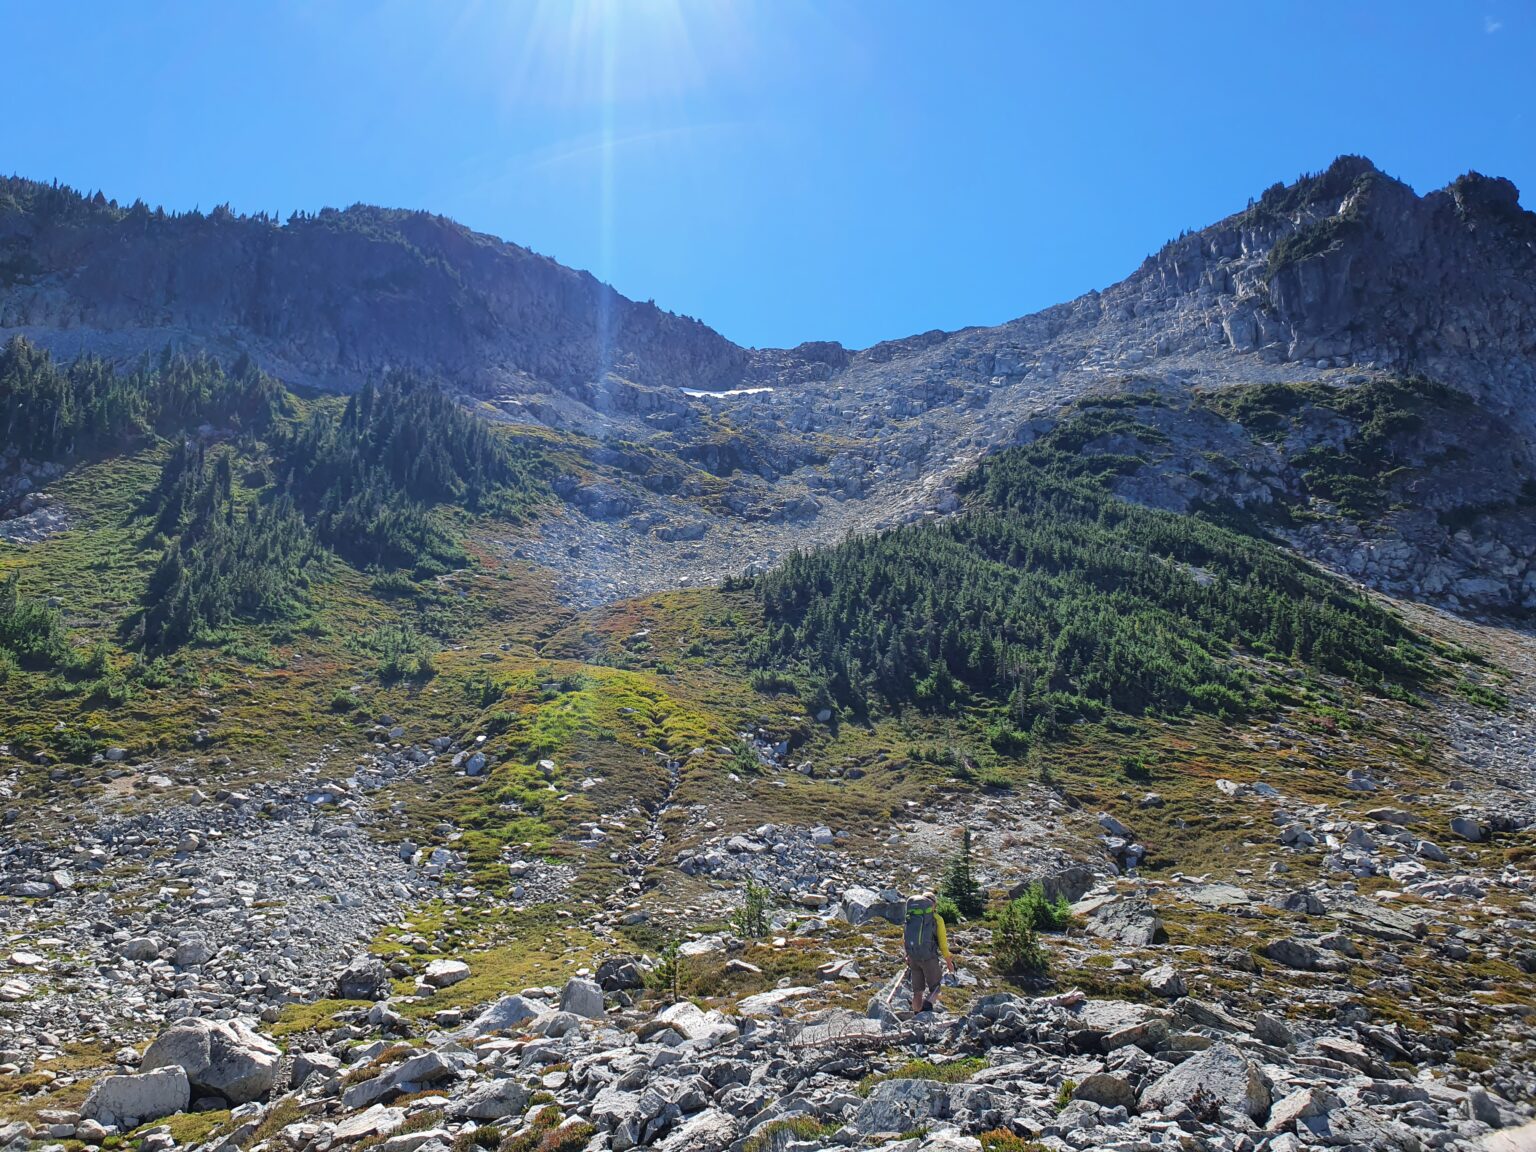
x=938, y=925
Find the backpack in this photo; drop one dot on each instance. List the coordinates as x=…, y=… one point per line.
x=920, y=935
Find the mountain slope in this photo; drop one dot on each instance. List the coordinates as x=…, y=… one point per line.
x=299, y=725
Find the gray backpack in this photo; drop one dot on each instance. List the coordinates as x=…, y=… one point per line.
x=920, y=935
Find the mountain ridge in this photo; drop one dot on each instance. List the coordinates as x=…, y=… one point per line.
x=1343, y=277
x=1351, y=190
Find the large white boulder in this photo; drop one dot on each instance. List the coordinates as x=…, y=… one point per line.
x=507, y=1013
x=584, y=998
x=1222, y=1074
x=125, y=1100
x=445, y=973
x=227, y=1058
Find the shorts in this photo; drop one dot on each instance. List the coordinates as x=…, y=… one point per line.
x=927, y=978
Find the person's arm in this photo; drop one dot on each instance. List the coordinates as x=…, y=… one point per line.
x=938, y=924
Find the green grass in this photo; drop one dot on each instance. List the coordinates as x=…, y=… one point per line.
x=776, y=1133
x=944, y=1072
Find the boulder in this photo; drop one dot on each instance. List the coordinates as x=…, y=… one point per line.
x=584, y=998
x=1485, y=1106
x=1302, y=957
x=1272, y=1030
x=1468, y=828
x=506, y=1014
x=428, y=1068
x=556, y=1024
x=1303, y=1104
x=140, y=948
x=1110, y=1024
x=119, y=1100
x=1164, y=980
x=445, y=973
x=861, y=905
x=620, y=973
x=375, y=1121
x=771, y=1003
x=435, y=1138
x=705, y=1029
x=1300, y=901
x=1106, y=1089
x=491, y=1100
x=192, y=951
x=1221, y=1075
x=410, y=1076
x=712, y=1130
x=902, y=1106
x=1131, y=921
x=365, y=978
x=227, y=1058
x=1113, y=826
x=307, y=1064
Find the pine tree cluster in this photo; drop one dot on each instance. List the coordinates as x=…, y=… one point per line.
x=1056, y=598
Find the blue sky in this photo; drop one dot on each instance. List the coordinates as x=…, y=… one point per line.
x=784, y=170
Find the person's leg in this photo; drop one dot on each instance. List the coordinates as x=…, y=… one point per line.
x=931, y=972
x=936, y=983
x=919, y=991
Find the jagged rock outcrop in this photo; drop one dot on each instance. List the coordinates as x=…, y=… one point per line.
x=1352, y=267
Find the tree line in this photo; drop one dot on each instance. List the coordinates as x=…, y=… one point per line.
x=89, y=409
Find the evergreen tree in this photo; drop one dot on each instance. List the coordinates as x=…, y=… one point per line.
x=959, y=884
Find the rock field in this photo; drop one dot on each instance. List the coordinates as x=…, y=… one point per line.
x=176, y=936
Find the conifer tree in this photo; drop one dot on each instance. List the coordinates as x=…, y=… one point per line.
x=959, y=884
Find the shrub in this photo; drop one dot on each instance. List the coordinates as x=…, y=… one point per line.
x=545, y=1134
x=768, y=681
x=751, y=919
x=944, y=1072
x=403, y=654
x=1016, y=950
x=1050, y=915
x=30, y=630
x=666, y=978
x=1002, y=1140
x=1006, y=739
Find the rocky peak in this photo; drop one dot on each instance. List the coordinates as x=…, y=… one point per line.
x=1350, y=266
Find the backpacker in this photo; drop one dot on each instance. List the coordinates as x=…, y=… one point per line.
x=920, y=936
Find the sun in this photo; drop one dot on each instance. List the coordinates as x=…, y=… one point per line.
x=594, y=52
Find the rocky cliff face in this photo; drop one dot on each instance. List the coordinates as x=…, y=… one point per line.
x=1343, y=278
x=332, y=299
x=1351, y=267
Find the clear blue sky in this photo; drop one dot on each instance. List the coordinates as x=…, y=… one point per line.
x=784, y=170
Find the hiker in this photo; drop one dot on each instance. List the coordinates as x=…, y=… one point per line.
x=925, y=945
